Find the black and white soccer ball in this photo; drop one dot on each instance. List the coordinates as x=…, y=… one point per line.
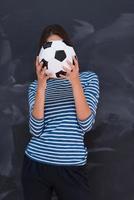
x=54, y=55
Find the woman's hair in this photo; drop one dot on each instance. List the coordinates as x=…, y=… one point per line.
x=54, y=29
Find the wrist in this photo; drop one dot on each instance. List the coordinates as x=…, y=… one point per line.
x=75, y=81
x=41, y=87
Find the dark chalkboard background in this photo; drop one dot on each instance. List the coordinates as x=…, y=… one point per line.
x=103, y=33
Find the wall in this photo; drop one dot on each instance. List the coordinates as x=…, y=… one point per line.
x=103, y=33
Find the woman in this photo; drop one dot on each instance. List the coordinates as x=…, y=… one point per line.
x=61, y=111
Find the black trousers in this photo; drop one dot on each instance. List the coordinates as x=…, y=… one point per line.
x=39, y=180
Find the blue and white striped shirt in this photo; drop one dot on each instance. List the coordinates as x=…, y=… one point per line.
x=59, y=138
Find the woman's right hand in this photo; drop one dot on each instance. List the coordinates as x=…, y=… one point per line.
x=42, y=74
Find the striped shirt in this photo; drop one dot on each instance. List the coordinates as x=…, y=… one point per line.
x=59, y=138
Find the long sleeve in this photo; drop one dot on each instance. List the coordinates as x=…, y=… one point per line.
x=91, y=92
x=61, y=140
x=35, y=125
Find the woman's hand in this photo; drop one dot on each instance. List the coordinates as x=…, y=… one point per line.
x=42, y=74
x=72, y=73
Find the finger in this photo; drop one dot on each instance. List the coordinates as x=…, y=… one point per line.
x=75, y=60
x=62, y=76
x=66, y=69
x=47, y=72
x=69, y=63
x=41, y=63
x=72, y=67
x=37, y=60
x=40, y=70
x=76, y=64
x=76, y=57
x=43, y=70
x=39, y=66
x=49, y=75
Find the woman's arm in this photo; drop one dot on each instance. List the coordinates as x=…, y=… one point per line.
x=82, y=109
x=38, y=110
x=36, y=99
x=86, y=101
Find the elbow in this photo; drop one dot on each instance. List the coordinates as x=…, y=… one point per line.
x=86, y=125
x=36, y=126
x=34, y=131
x=89, y=126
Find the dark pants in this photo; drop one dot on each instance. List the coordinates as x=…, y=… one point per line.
x=39, y=180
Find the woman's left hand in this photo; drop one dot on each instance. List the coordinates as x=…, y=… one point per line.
x=72, y=73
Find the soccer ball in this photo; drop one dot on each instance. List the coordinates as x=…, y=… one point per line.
x=54, y=55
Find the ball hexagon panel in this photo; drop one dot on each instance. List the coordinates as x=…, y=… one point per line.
x=58, y=45
x=47, y=54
